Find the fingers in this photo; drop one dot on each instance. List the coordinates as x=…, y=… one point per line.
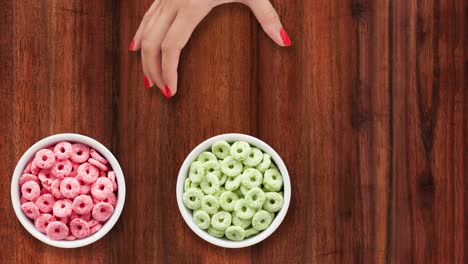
x=269, y=19
x=152, y=38
x=175, y=40
x=136, y=41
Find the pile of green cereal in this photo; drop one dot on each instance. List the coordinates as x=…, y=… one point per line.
x=234, y=190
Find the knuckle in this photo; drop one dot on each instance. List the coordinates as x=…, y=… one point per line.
x=145, y=43
x=169, y=45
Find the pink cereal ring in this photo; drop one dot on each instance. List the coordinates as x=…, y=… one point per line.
x=111, y=176
x=93, y=222
x=45, y=203
x=94, y=229
x=74, y=170
x=80, y=153
x=111, y=199
x=95, y=155
x=79, y=228
x=62, y=169
x=85, y=189
x=70, y=238
x=97, y=164
x=24, y=200
x=82, y=204
x=47, y=187
x=28, y=168
x=28, y=177
x=30, y=190
x=57, y=230
x=63, y=150
x=87, y=173
x=43, y=221
x=44, y=159
x=102, y=211
x=70, y=187
x=34, y=169
x=46, y=175
x=102, y=188
x=85, y=217
x=30, y=210
x=62, y=208
x=55, y=188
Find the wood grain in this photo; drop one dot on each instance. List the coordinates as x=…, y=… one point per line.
x=368, y=108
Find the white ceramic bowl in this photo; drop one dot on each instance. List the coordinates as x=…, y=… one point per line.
x=187, y=214
x=49, y=141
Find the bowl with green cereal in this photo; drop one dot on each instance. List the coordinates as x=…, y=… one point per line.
x=233, y=190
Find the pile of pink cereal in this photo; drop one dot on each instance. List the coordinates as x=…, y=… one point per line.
x=68, y=190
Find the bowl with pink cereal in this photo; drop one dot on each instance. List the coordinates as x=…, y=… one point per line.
x=68, y=190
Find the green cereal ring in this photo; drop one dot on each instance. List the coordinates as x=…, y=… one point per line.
x=273, y=166
x=239, y=193
x=232, y=183
x=265, y=164
x=195, y=185
x=265, y=189
x=251, y=178
x=242, y=209
x=215, y=232
x=227, y=200
x=240, y=222
x=196, y=172
x=223, y=179
x=231, y=167
x=206, y=156
x=202, y=219
x=220, y=191
x=235, y=233
x=273, y=180
x=250, y=232
x=240, y=150
x=210, y=204
x=261, y=220
x=254, y=158
x=187, y=184
x=272, y=216
x=255, y=197
x=212, y=167
x=192, y=198
x=221, y=220
x=273, y=202
x=221, y=149
x=246, y=168
x=244, y=190
x=210, y=185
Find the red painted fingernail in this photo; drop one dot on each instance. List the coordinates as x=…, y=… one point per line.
x=147, y=82
x=285, y=37
x=168, y=93
x=132, y=45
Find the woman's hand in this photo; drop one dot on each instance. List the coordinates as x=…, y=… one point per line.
x=167, y=26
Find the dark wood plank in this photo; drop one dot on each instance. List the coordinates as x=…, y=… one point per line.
x=428, y=164
x=56, y=77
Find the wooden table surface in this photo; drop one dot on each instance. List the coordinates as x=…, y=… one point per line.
x=368, y=108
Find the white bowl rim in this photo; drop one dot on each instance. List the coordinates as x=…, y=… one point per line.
x=186, y=214
x=48, y=141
